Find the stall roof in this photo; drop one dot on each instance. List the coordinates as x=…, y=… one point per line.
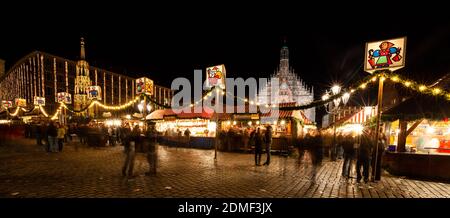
x=421, y=106
x=418, y=107
x=161, y=114
x=243, y=109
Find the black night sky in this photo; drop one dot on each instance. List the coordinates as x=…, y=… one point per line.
x=167, y=43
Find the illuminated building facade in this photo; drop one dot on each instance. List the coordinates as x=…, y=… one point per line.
x=44, y=75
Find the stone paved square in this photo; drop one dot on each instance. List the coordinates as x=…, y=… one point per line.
x=26, y=171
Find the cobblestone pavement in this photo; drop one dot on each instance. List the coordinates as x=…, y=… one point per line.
x=27, y=171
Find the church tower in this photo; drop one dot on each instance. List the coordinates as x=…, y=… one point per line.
x=292, y=89
x=82, y=80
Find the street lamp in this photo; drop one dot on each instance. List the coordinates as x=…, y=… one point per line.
x=333, y=109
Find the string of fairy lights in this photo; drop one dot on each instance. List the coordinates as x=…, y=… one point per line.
x=362, y=85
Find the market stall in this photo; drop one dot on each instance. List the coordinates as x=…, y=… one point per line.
x=185, y=129
x=419, y=136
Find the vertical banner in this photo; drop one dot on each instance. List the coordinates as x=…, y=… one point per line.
x=215, y=77
x=385, y=55
x=144, y=85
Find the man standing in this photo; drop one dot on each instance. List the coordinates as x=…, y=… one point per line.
x=364, y=152
x=52, y=133
x=130, y=151
x=347, y=144
x=268, y=143
x=376, y=156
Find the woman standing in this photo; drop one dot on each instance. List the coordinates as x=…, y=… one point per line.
x=257, y=137
x=60, y=136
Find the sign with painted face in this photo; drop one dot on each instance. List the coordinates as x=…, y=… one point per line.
x=144, y=85
x=20, y=102
x=7, y=104
x=39, y=101
x=385, y=55
x=64, y=97
x=94, y=92
x=215, y=76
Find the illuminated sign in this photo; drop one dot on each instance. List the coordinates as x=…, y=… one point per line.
x=215, y=76
x=144, y=85
x=385, y=55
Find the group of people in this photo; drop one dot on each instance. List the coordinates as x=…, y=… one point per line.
x=52, y=135
x=258, y=139
x=361, y=148
x=131, y=137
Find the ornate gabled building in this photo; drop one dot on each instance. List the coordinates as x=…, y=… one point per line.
x=291, y=87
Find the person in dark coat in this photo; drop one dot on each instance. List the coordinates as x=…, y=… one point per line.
x=129, y=150
x=257, y=137
x=268, y=143
x=382, y=143
x=347, y=143
x=364, y=153
x=152, y=136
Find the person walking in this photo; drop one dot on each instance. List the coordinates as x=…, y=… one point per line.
x=152, y=156
x=316, y=153
x=268, y=143
x=257, y=137
x=364, y=153
x=38, y=131
x=61, y=133
x=51, y=134
x=376, y=165
x=127, y=169
x=347, y=144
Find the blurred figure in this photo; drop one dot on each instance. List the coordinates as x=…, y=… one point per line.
x=257, y=138
x=38, y=131
x=316, y=153
x=364, y=153
x=129, y=150
x=268, y=143
x=61, y=133
x=51, y=134
x=382, y=143
x=347, y=143
x=152, y=156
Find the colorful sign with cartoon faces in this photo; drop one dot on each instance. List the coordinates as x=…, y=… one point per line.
x=7, y=104
x=144, y=85
x=215, y=76
x=64, y=97
x=20, y=102
x=39, y=101
x=94, y=92
x=385, y=55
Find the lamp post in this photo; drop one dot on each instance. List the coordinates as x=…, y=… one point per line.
x=332, y=108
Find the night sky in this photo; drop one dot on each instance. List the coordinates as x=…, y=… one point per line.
x=169, y=44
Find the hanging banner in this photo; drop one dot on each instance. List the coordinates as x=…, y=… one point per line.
x=64, y=97
x=20, y=102
x=94, y=92
x=39, y=101
x=7, y=104
x=215, y=76
x=144, y=85
x=385, y=55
